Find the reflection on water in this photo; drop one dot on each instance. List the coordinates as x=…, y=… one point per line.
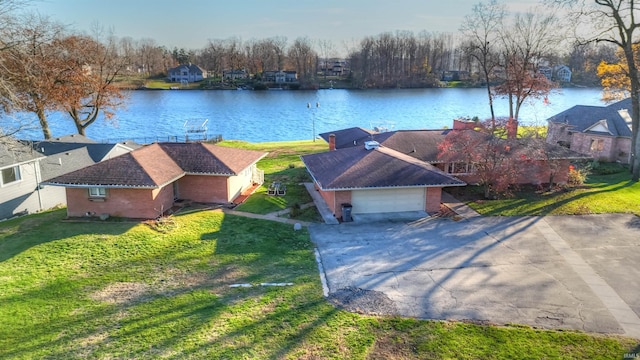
x=258, y=116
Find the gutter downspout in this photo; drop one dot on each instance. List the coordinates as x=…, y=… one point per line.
x=36, y=168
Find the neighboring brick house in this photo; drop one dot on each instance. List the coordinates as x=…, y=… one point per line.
x=186, y=73
x=146, y=182
x=602, y=132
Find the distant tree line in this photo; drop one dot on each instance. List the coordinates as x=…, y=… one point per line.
x=47, y=67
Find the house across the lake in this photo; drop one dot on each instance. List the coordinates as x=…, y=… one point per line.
x=147, y=182
x=186, y=73
x=602, y=132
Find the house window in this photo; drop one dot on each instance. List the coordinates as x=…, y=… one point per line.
x=597, y=144
x=97, y=192
x=10, y=175
x=459, y=168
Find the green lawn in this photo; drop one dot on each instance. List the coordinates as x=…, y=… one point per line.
x=109, y=290
x=283, y=164
x=612, y=193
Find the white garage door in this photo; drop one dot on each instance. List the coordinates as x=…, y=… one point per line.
x=387, y=200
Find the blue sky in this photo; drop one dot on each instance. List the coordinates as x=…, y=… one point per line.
x=191, y=23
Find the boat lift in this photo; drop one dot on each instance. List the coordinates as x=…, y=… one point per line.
x=195, y=130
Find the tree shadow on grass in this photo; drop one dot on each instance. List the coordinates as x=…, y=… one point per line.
x=201, y=317
x=21, y=234
x=563, y=199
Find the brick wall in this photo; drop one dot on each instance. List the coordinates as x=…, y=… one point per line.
x=433, y=199
x=622, y=150
x=202, y=188
x=557, y=133
x=335, y=199
x=130, y=203
x=341, y=197
x=582, y=143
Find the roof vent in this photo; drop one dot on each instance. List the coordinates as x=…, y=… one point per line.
x=370, y=145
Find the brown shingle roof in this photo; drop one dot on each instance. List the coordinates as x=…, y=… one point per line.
x=156, y=165
x=358, y=168
x=210, y=159
x=420, y=144
x=423, y=144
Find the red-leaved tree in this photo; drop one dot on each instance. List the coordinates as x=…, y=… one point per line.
x=487, y=152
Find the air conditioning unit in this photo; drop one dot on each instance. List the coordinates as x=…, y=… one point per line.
x=370, y=145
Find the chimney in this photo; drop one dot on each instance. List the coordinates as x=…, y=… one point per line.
x=332, y=142
x=512, y=128
x=463, y=124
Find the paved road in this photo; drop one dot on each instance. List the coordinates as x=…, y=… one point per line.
x=574, y=272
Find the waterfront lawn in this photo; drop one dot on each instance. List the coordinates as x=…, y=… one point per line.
x=283, y=164
x=609, y=193
x=122, y=290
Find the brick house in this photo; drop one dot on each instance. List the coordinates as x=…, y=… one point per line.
x=375, y=179
x=602, y=132
x=147, y=182
x=404, y=171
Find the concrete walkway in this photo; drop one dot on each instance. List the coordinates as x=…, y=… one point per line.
x=321, y=205
x=458, y=207
x=274, y=216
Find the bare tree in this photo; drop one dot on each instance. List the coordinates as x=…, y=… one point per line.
x=326, y=51
x=615, y=22
x=302, y=55
x=525, y=43
x=32, y=68
x=9, y=23
x=92, y=67
x=481, y=28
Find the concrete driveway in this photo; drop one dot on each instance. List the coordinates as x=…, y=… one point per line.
x=574, y=272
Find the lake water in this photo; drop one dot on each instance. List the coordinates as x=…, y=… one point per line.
x=259, y=116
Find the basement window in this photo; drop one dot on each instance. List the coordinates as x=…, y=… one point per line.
x=97, y=192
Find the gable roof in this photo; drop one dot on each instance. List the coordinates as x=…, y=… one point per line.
x=193, y=69
x=96, y=151
x=64, y=162
x=583, y=118
x=157, y=165
x=13, y=152
x=358, y=168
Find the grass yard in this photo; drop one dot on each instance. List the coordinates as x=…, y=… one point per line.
x=610, y=193
x=104, y=290
x=283, y=164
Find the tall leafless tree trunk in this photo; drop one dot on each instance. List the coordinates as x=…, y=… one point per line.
x=615, y=22
x=482, y=29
